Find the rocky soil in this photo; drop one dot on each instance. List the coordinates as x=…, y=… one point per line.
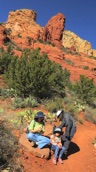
x=81, y=154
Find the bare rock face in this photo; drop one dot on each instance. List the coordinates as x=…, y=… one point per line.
x=53, y=31
x=94, y=53
x=70, y=39
x=23, y=24
x=24, y=28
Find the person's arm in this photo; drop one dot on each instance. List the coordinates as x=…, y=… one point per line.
x=52, y=139
x=58, y=142
x=31, y=127
x=63, y=123
x=42, y=129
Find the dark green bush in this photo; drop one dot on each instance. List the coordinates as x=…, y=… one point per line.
x=34, y=74
x=85, y=89
x=5, y=60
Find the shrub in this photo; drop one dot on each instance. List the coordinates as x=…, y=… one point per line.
x=8, y=92
x=85, y=89
x=51, y=117
x=54, y=104
x=8, y=31
x=34, y=74
x=1, y=111
x=90, y=114
x=5, y=59
x=8, y=147
x=26, y=115
x=25, y=102
x=86, y=67
x=73, y=105
x=69, y=62
x=79, y=106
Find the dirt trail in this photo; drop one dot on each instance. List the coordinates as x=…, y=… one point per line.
x=81, y=158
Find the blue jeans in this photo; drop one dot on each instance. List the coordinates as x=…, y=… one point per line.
x=58, y=150
x=40, y=140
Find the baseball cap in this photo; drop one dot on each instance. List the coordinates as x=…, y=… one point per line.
x=58, y=113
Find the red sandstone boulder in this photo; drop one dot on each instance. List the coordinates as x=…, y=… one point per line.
x=42, y=153
x=53, y=30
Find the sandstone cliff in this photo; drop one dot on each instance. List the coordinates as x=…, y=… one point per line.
x=24, y=27
x=94, y=53
x=22, y=31
x=70, y=39
x=23, y=24
x=54, y=29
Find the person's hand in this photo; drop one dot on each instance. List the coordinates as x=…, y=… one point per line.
x=41, y=132
x=40, y=129
x=60, y=145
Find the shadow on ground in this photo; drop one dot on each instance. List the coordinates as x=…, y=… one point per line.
x=73, y=148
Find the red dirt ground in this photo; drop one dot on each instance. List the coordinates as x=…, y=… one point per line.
x=81, y=158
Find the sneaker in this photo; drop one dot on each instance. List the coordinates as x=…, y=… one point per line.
x=54, y=161
x=60, y=160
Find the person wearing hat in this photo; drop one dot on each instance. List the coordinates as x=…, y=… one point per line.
x=36, y=129
x=68, y=122
x=56, y=145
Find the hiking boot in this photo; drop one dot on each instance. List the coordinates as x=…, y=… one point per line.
x=54, y=161
x=60, y=160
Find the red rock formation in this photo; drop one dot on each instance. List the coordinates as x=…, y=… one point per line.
x=24, y=32
x=75, y=63
x=23, y=24
x=54, y=29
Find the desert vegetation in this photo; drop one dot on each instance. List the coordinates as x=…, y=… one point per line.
x=33, y=80
x=8, y=148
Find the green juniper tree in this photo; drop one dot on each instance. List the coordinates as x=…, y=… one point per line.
x=34, y=74
x=85, y=89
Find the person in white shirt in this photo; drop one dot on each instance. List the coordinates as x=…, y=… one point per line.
x=56, y=145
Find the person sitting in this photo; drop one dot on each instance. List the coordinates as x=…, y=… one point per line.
x=36, y=131
x=56, y=145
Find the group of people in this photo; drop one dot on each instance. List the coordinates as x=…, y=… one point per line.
x=59, y=141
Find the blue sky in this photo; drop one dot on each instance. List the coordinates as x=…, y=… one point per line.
x=80, y=14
